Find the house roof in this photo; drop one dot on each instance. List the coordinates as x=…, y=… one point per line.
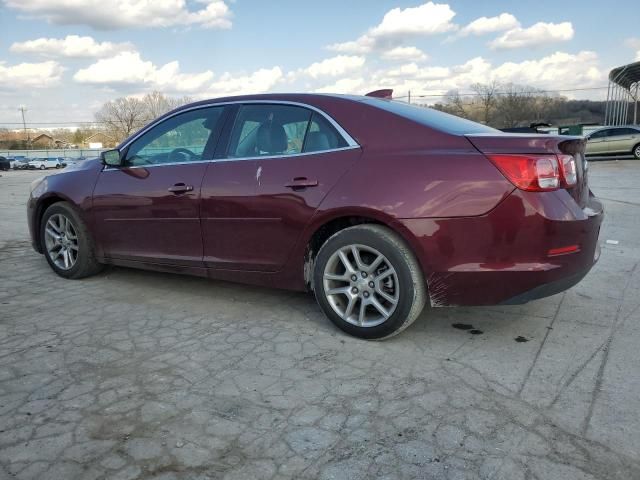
x=99, y=133
x=38, y=137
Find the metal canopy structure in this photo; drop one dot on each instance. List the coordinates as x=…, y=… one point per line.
x=624, y=86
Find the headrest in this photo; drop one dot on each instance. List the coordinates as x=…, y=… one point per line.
x=271, y=138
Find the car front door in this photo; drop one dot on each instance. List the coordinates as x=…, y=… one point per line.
x=149, y=209
x=285, y=159
x=595, y=143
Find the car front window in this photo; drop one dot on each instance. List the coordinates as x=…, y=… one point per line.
x=181, y=138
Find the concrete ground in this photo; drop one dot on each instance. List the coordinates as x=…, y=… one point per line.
x=133, y=374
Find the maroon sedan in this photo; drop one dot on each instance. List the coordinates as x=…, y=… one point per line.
x=376, y=206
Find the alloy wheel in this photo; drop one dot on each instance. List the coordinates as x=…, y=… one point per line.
x=61, y=241
x=361, y=285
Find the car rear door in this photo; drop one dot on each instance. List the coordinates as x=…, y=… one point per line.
x=149, y=209
x=296, y=156
x=623, y=140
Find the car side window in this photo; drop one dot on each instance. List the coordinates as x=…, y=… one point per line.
x=322, y=136
x=628, y=131
x=179, y=139
x=599, y=134
x=268, y=130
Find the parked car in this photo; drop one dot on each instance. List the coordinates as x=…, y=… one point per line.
x=21, y=163
x=44, y=163
x=614, y=141
x=376, y=206
x=5, y=164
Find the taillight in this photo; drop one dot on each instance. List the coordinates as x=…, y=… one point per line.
x=568, y=170
x=533, y=173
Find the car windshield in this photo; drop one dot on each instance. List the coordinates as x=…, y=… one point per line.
x=430, y=117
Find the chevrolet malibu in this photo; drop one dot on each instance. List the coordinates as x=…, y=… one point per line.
x=376, y=206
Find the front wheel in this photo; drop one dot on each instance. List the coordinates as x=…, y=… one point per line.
x=42, y=167
x=368, y=282
x=66, y=242
x=636, y=151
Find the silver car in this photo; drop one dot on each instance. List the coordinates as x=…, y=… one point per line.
x=614, y=140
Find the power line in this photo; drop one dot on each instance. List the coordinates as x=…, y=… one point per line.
x=474, y=94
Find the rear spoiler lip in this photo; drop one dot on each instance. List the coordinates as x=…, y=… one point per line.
x=524, y=135
x=386, y=93
x=515, y=143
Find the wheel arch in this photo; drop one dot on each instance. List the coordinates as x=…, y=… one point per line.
x=329, y=223
x=41, y=207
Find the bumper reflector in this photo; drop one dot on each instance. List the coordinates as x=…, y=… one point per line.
x=563, y=250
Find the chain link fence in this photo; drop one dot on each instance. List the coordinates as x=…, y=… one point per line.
x=53, y=153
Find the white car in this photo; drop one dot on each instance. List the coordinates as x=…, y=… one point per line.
x=44, y=163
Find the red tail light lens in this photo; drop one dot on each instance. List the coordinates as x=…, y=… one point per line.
x=533, y=173
x=568, y=170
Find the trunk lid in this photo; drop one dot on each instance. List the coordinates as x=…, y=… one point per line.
x=514, y=143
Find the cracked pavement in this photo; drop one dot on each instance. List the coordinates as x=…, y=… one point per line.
x=140, y=375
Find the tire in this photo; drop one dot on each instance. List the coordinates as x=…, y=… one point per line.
x=42, y=167
x=57, y=166
x=398, y=275
x=636, y=151
x=85, y=263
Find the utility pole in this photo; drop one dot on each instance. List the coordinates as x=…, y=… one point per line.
x=409, y=96
x=24, y=124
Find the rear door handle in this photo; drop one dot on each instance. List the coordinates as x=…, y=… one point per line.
x=180, y=188
x=300, y=183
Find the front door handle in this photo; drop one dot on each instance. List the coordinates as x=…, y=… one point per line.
x=180, y=188
x=300, y=183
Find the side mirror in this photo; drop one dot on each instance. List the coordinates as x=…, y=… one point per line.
x=111, y=158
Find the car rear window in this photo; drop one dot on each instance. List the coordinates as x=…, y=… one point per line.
x=430, y=117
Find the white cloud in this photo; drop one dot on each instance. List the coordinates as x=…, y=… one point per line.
x=259, y=81
x=344, y=85
x=556, y=71
x=335, y=66
x=397, y=24
x=634, y=43
x=484, y=25
x=72, y=46
x=113, y=14
x=426, y=19
x=539, y=34
x=30, y=75
x=404, y=53
x=364, y=44
x=128, y=68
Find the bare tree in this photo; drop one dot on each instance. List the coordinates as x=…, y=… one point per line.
x=455, y=104
x=156, y=103
x=517, y=105
x=122, y=116
x=125, y=115
x=487, y=96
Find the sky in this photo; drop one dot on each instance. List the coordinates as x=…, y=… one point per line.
x=62, y=59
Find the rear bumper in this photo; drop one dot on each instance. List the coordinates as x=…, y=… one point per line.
x=503, y=257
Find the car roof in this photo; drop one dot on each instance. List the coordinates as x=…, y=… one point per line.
x=610, y=127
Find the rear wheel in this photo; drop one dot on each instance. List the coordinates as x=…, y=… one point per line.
x=66, y=242
x=368, y=282
x=636, y=151
x=42, y=167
